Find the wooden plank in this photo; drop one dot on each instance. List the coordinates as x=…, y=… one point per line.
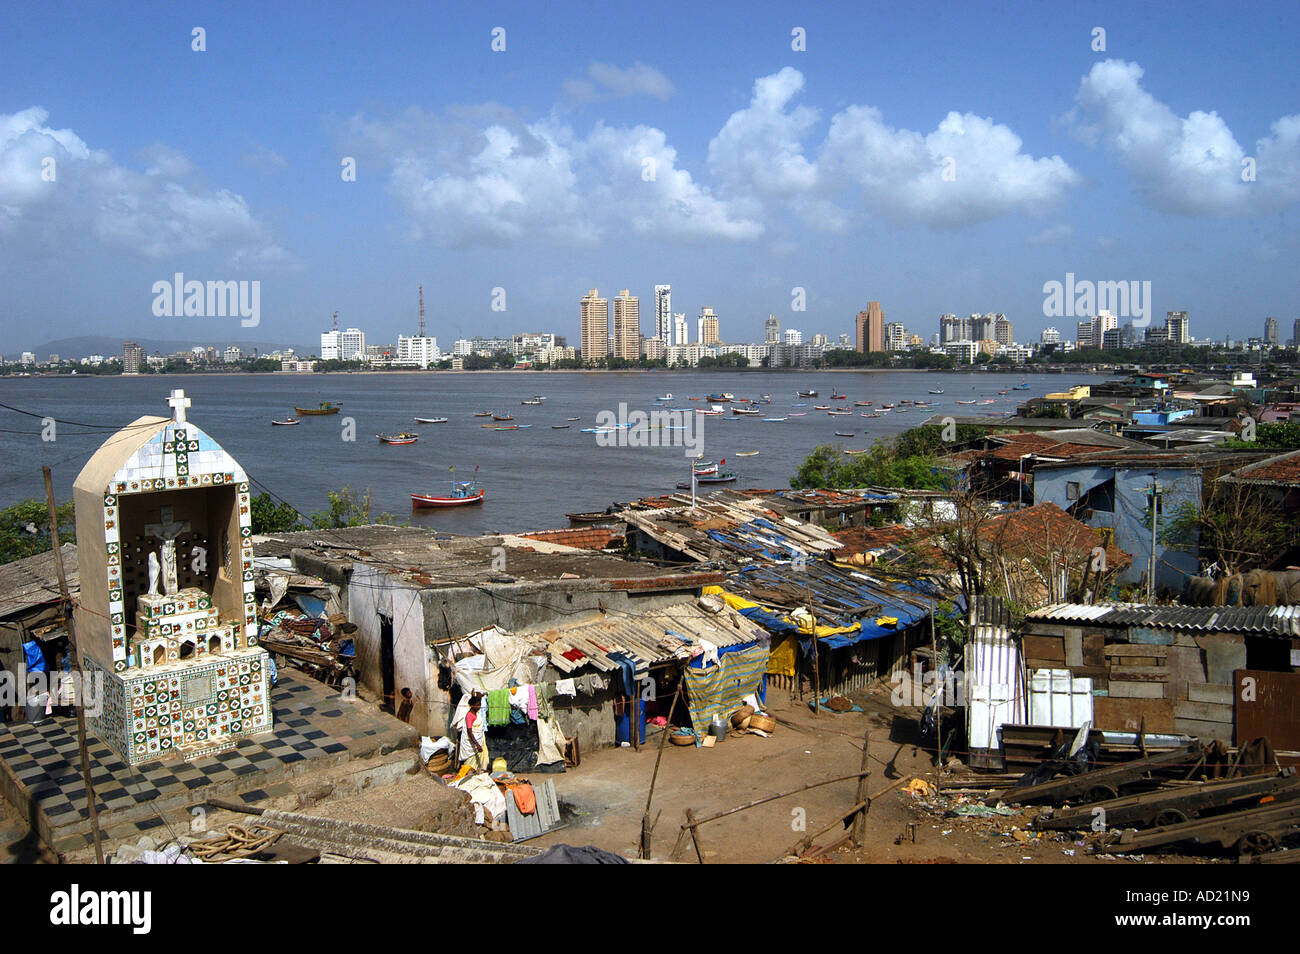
x=1206, y=692
x=1207, y=711
x=1136, y=650
x=1049, y=651
x=1139, y=674
x=1137, y=690
x=1126, y=714
x=1204, y=730
x=1094, y=646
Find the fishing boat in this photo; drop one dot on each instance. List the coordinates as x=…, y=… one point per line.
x=462, y=492
x=987, y=401
x=844, y=433
x=325, y=407
x=665, y=397
x=726, y=478
x=873, y=414
x=712, y=411
x=862, y=404
x=724, y=398
x=746, y=453
x=836, y=396
x=482, y=413
x=811, y=392
x=507, y=427
x=776, y=420
x=559, y=427
x=532, y=402
x=821, y=407
x=936, y=390
x=575, y=419
x=965, y=402
x=429, y=420
x=503, y=417
x=837, y=413
x=1022, y=386
x=592, y=516
x=745, y=410
x=795, y=414
x=402, y=438
x=287, y=422
x=706, y=467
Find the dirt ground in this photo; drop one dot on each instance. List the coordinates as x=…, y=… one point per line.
x=605, y=797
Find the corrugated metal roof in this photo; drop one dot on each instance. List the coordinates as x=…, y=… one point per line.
x=1261, y=620
x=643, y=636
x=33, y=581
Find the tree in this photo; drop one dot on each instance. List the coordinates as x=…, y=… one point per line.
x=25, y=528
x=271, y=517
x=347, y=508
x=1239, y=527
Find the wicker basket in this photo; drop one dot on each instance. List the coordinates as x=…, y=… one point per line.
x=438, y=764
x=762, y=722
x=682, y=739
x=740, y=715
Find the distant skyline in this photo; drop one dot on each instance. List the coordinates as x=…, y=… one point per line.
x=945, y=172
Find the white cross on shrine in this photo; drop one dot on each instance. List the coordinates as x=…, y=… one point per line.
x=179, y=402
x=167, y=529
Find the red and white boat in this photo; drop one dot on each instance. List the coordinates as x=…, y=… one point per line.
x=454, y=500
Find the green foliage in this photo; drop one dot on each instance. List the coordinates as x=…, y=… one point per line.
x=1278, y=436
x=927, y=440
x=348, y=508
x=25, y=528
x=271, y=517
x=881, y=466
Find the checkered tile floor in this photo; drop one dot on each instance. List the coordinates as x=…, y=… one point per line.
x=310, y=722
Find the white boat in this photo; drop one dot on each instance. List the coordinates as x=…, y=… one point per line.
x=429, y=420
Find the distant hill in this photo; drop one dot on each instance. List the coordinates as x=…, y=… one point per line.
x=82, y=345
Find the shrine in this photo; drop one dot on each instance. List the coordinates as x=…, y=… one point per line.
x=167, y=608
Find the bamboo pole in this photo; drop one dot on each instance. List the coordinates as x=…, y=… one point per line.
x=79, y=700
x=644, y=851
x=860, y=819
x=692, y=824
x=772, y=798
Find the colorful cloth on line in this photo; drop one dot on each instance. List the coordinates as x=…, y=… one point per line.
x=498, y=707
x=720, y=690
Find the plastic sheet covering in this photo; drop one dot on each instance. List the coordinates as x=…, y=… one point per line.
x=995, y=685
x=784, y=654
x=1057, y=697
x=720, y=690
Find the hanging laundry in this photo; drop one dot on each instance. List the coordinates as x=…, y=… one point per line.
x=498, y=707
x=532, y=703
x=565, y=687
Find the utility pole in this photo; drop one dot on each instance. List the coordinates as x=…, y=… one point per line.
x=79, y=699
x=1155, y=519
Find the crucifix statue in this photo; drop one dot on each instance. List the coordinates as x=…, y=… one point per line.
x=166, y=530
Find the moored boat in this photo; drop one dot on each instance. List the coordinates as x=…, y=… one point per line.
x=462, y=493
x=325, y=407
x=429, y=420
x=287, y=422
x=402, y=438
x=811, y=392
x=503, y=417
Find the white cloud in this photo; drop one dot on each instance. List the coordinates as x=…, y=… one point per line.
x=157, y=212
x=510, y=181
x=967, y=170
x=1184, y=165
x=604, y=81
x=261, y=159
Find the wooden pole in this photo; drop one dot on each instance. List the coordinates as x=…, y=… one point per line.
x=860, y=819
x=644, y=852
x=938, y=708
x=772, y=798
x=817, y=666
x=695, y=835
x=863, y=806
x=79, y=700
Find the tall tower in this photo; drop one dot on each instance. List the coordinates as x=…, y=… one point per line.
x=627, y=326
x=682, y=336
x=593, y=316
x=421, y=311
x=870, y=326
x=664, y=313
x=707, y=327
x=772, y=329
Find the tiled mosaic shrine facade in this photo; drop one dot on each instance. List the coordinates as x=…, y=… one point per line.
x=177, y=450
x=191, y=709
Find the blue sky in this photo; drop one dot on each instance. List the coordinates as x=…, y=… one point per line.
x=525, y=169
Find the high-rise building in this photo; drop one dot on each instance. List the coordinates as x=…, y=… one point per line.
x=1004, y=332
x=1270, y=332
x=681, y=332
x=895, y=336
x=1084, y=334
x=1177, y=328
x=664, y=313
x=352, y=345
x=1295, y=333
x=627, y=326
x=952, y=328
x=1050, y=336
x=707, y=327
x=870, y=327
x=772, y=330
x=593, y=318
x=417, y=351
x=793, y=336
x=132, y=357
x=329, y=345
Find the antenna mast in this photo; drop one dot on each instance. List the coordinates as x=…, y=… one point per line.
x=421, y=311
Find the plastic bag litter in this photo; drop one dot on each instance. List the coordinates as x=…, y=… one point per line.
x=920, y=788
